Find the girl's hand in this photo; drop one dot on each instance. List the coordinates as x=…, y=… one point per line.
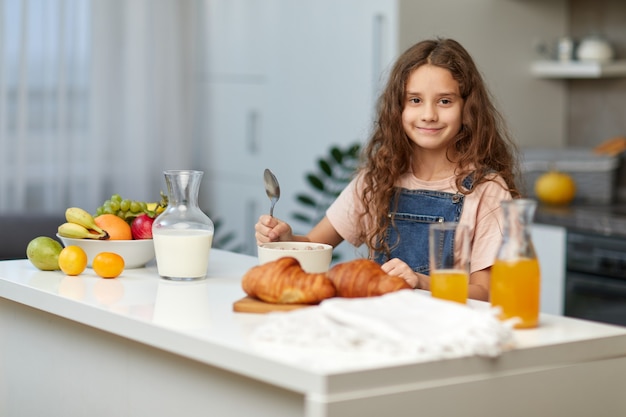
x=271, y=229
x=400, y=269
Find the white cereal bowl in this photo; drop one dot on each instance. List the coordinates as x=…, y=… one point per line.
x=313, y=257
x=136, y=253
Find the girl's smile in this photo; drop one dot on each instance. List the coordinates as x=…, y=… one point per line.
x=427, y=130
x=433, y=108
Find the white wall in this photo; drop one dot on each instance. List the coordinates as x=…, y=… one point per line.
x=501, y=35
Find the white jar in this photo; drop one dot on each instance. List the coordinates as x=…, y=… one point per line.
x=594, y=48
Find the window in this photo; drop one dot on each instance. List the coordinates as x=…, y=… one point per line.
x=91, y=94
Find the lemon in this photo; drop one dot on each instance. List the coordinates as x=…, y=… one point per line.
x=72, y=260
x=43, y=252
x=555, y=188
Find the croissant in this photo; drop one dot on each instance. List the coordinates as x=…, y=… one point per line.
x=363, y=278
x=283, y=281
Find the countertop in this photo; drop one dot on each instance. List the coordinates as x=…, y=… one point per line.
x=196, y=321
x=606, y=220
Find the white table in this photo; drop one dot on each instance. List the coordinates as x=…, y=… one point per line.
x=142, y=346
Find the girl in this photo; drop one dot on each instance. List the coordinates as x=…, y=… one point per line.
x=439, y=152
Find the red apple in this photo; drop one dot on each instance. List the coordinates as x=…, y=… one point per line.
x=141, y=227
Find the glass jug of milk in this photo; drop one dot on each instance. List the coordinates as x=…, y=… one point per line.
x=182, y=234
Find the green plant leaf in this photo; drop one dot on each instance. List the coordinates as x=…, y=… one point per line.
x=302, y=218
x=224, y=239
x=317, y=183
x=325, y=167
x=331, y=194
x=337, y=154
x=334, y=172
x=354, y=150
x=306, y=200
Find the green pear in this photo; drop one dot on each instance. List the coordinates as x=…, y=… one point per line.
x=43, y=252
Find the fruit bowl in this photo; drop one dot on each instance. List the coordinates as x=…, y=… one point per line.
x=136, y=253
x=313, y=257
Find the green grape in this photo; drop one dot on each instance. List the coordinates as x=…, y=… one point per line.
x=115, y=205
x=135, y=207
x=125, y=205
x=123, y=208
x=106, y=209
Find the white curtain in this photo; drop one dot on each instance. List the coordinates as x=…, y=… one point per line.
x=96, y=98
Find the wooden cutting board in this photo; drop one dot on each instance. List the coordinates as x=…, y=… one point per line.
x=252, y=305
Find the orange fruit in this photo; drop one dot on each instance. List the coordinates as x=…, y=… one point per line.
x=72, y=260
x=116, y=227
x=556, y=188
x=108, y=264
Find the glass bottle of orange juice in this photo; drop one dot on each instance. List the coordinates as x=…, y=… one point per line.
x=516, y=275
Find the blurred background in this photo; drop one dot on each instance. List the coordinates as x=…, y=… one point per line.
x=100, y=96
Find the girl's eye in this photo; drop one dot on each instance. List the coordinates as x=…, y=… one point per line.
x=414, y=100
x=445, y=101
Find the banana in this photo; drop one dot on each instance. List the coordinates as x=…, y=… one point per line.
x=81, y=217
x=154, y=209
x=76, y=231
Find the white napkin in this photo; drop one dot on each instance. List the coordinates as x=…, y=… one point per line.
x=402, y=325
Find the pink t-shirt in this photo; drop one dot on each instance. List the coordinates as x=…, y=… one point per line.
x=481, y=213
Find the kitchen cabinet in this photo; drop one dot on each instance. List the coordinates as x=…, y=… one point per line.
x=236, y=34
x=236, y=128
x=237, y=205
x=143, y=346
x=550, y=246
x=283, y=81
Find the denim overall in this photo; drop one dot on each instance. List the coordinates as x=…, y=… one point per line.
x=416, y=210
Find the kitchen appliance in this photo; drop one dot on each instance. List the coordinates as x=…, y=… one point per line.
x=595, y=283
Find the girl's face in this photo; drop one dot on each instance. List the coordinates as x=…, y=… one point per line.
x=433, y=108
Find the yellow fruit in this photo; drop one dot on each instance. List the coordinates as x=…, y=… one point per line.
x=43, y=252
x=108, y=264
x=72, y=260
x=555, y=188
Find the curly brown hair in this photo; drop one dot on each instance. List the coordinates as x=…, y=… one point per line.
x=483, y=143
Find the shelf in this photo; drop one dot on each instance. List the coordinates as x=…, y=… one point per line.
x=578, y=69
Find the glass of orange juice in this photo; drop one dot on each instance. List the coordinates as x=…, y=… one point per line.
x=449, y=254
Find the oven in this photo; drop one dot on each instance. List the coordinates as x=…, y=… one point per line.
x=595, y=281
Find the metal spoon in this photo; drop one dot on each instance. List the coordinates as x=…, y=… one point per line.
x=271, y=188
